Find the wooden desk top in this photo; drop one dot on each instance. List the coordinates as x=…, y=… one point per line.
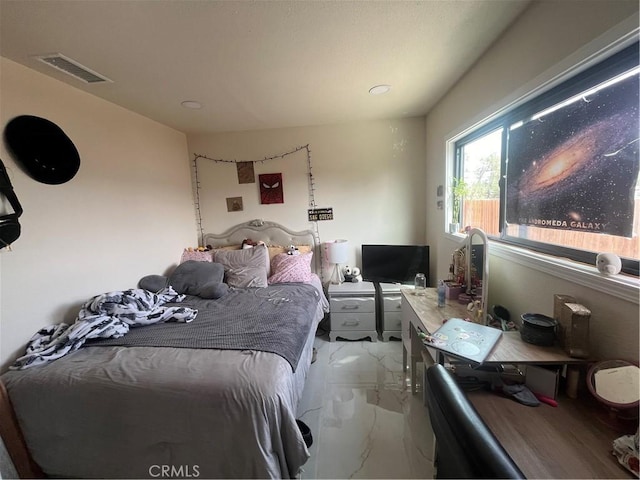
x=573, y=440
x=570, y=441
x=510, y=348
x=426, y=307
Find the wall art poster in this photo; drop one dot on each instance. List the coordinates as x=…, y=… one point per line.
x=245, y=172
x=316, y=214
x=234, y=204
x=271, y=190
x=576, y=167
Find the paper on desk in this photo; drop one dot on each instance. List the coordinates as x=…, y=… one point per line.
x=619, y=385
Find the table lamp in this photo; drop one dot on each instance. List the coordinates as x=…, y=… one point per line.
x=336, y=252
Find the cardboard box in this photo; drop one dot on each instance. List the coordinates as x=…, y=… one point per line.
x=573, y=329
x=558, y=303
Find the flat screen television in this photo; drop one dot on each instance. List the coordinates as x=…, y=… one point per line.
x=394, y=263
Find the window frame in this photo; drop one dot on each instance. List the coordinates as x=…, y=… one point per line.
x=570, y=84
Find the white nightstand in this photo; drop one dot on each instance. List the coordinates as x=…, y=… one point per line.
x=390, y=308
x=353, y=311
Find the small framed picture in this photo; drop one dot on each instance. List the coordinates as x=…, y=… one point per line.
x=245, y=172
x=234, y=204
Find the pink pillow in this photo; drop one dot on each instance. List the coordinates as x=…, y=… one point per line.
x=196, y=255
x=291, y=268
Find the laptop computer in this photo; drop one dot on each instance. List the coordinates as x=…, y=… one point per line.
x=466, y=340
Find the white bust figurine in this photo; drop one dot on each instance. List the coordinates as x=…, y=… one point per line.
x=608, y=263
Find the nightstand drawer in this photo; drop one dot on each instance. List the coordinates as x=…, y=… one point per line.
x=392, y=321
x=353, y=311
x=353, y=321
x=353, y=304
x=392, y=303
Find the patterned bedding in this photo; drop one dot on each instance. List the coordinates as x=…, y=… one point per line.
x=109, y=315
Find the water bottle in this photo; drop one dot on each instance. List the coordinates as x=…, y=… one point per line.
x=441, y=294
x=420, y=283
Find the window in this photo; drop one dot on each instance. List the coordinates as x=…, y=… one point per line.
x=478, y=181
x=559, y=173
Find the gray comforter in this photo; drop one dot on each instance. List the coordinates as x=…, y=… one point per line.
x=133, y=412
x=273, y=319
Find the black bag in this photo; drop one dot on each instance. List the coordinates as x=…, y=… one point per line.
x=9, y=225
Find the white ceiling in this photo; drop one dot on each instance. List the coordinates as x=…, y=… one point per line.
x=263, y=64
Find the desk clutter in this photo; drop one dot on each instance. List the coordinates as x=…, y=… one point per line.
x=626, y=450
x=538, y=388
x=569, y=326
x=529, y=386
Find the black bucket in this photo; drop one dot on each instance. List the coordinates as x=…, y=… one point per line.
x=306, y=433
x=538, y=329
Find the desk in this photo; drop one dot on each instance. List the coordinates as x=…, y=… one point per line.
x=570, y=441
x=422, y=312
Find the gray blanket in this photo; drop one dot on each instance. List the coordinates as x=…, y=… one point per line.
x=275, y=319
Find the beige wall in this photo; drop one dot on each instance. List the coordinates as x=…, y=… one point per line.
x=547, y=38
x=127, y=213
x=370, y=173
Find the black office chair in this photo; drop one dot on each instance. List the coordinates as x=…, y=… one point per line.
x=465, y=447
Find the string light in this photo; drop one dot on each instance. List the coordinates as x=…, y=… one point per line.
x=198, y=212
x=311, y=186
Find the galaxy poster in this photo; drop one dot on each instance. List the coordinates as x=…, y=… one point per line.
x=576, y=168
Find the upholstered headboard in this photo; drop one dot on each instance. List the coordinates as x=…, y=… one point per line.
x=271, y=233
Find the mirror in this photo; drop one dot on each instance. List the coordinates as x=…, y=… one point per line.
x=477, y=271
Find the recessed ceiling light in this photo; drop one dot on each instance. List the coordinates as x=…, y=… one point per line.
x=379, y=89
x=191, y=104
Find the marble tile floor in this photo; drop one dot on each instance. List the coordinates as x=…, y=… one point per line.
x=364, y=420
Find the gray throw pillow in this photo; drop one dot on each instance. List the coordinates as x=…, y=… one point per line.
x=246, y=267
x=203, y=279
x=153, y=283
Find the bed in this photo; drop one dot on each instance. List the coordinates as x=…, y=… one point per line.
x=146, y=411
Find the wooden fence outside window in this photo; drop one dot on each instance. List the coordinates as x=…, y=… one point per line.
x=484, y=214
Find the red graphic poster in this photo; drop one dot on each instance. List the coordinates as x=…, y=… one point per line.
x=271, y=188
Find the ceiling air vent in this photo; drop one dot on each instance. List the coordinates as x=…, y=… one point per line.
x=73, y=68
